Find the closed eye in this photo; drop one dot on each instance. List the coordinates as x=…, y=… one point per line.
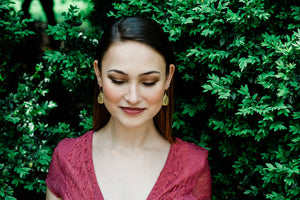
x=149, y=83
x=117, y=82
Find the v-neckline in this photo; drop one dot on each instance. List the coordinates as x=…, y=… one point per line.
x=156, y=184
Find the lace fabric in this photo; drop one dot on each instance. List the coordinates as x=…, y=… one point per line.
x=186, y=173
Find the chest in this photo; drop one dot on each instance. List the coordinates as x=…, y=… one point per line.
x=130, y=176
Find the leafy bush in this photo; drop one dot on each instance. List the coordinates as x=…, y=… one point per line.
x=28, y=121
x=13, y=30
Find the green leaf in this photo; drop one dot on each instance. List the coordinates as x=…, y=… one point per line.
x=279, y=125
x=244, y=90
x=296, y=115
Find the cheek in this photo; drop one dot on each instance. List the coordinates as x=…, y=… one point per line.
x=155, y=96
x=111, y=94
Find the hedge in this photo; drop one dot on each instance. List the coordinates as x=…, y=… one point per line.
x=237, y=94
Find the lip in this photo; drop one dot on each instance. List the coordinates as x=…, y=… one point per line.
x=132, y=110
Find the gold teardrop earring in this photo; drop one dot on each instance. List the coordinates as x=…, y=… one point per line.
x=165, y=99
x=100, y=97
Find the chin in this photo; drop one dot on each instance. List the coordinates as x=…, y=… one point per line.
x=136, y=123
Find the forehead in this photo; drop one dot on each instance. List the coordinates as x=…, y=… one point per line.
x=132, y=57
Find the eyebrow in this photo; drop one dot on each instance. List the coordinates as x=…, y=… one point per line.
x=143, y=74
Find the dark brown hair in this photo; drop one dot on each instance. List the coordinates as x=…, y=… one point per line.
x=148, y=32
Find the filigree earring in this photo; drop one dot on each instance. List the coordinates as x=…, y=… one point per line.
x=100, y=97
x=165, y=99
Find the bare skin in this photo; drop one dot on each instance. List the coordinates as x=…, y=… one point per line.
x=128, y=172
x=51, y=196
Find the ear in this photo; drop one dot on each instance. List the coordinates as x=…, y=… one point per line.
x=97, y=73
x=170, y=76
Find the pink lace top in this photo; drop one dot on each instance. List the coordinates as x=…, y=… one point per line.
x=185, y=175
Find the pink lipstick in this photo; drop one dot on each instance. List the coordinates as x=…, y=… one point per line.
x=132, y=111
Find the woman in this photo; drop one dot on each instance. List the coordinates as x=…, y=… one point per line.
x=131, y=153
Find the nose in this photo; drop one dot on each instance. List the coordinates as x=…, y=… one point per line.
x=133, y=96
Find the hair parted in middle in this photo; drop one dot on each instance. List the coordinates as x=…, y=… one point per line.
x=148, y=32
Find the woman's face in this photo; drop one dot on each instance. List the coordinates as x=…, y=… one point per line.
x=133, y=78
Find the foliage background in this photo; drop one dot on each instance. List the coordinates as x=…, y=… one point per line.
x=239, y=60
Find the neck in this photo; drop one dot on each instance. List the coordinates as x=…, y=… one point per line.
x=122, y=137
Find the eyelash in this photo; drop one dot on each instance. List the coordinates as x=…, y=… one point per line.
x=117, y=82
x=147, y=84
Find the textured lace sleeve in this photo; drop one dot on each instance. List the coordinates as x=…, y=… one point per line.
x=55, y=179
x=71, y=174
x=202, y=190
